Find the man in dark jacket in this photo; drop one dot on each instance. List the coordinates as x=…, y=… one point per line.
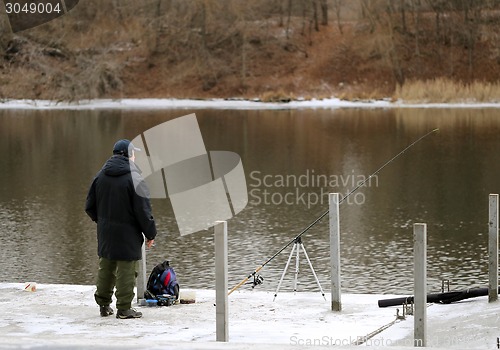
x=118, y=201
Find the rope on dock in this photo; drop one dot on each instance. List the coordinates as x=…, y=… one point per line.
x=362, y=340
x=406, y=311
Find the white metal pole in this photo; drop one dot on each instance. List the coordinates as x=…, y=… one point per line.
x=284, y=271
x=493, y=249
x=420, y=284
x=141, y=274
x=296, y=269
x=221, y=284
x=333, y=199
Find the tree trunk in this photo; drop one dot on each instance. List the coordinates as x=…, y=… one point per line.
x=403, y=15
x=281, y=12
x=158, y=27
x=5, y=33
x=289, y=18
x=203, y=23
x=473, y=10
x=243, y=59
x=416, y=7
x=367, y=12
x=438, y=25
x=304, y=16
x=324, y=12
x=315, y=15
x=337, y=5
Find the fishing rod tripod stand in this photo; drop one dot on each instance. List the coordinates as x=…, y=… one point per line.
x=297, y=246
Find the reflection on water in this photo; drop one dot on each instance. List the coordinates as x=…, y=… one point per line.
x=292, y=159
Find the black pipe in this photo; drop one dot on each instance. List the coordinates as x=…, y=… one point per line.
x=441, y=298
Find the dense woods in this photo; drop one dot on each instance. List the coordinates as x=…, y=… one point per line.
x=270, y=49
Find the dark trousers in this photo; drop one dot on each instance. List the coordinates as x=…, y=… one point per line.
x=121, y=274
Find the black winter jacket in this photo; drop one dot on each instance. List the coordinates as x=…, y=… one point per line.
x=120, y=213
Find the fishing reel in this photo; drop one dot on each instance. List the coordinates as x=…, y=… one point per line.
x=257, y=279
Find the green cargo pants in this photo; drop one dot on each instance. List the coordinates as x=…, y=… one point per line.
x=121, y=274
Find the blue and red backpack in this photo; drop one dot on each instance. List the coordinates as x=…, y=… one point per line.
x=162, y=280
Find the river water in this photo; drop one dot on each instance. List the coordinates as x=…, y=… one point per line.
x=292, y=160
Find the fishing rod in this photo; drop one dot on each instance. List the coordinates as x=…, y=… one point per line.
x=318, y=219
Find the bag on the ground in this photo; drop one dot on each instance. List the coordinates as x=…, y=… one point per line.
x=162, y=284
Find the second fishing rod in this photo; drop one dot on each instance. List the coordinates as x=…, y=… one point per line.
x=319, y=218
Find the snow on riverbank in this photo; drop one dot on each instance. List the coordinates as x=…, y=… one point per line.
x=67, y=316
x=226, y=104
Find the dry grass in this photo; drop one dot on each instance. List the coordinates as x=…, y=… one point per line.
x=276, y=96
x=443, y=90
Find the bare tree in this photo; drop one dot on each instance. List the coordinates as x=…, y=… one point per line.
x=324, y=12
x=5, y=33
x=337, y=7
x=416, y=6
x=402, y=8
x=439, y=8
x=159, y=26
x=309, y=16
x=314, y=4
x=289, y=18
x=472, y=19
x=281, y=11
x=368, y=10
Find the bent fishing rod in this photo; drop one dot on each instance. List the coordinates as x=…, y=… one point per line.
x=318, y=219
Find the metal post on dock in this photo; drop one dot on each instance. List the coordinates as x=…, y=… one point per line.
x=420, y=284
x=333, y=199
x=493, y=248
x=221, y=284
x=141, y=274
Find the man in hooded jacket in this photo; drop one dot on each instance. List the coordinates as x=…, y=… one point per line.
x=118, y=201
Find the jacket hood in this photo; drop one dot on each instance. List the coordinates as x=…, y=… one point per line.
x=118, y=165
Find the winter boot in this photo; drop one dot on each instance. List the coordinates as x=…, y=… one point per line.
x=130, y=313
x=106, y=311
